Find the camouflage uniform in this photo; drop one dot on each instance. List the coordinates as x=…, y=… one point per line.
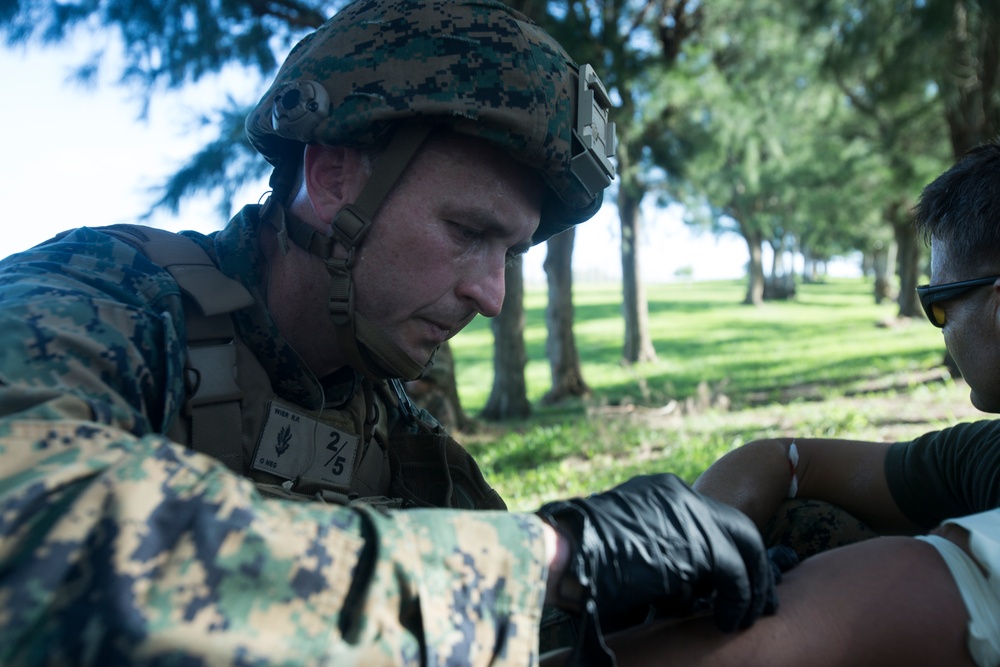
x=118, y=546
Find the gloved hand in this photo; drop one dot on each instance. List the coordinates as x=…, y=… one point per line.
x=653, y=541
x=783, y=558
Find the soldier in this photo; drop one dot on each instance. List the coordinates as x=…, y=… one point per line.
x=167, y=402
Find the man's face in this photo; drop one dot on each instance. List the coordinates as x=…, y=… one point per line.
x=438, y=246
x=972, y=326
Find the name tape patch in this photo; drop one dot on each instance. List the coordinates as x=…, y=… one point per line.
x=293, y=445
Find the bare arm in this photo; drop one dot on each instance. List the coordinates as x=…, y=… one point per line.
x=886, y=601
x=557, y=550
x=849, y=473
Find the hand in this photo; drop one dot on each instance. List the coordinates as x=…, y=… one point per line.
x=654, y=541
x=782, y=559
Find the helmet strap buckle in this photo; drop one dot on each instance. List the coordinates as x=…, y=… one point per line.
x=340, y=297
x=350, y=226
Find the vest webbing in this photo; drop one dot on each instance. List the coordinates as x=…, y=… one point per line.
x=210, y=368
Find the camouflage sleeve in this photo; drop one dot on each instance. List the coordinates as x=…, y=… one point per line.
x=91, y=317
x=123, y=550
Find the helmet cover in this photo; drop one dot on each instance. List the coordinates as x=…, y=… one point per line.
x=476, y=66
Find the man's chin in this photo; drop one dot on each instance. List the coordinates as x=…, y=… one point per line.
x=423, y=354
x=429, y=356
x=984, y=403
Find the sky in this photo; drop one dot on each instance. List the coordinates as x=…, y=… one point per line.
x=75, y=156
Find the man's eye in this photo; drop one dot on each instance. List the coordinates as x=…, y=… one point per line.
x=513, y=254
x=466, y=233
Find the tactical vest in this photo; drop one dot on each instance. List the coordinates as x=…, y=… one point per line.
x=374, y=449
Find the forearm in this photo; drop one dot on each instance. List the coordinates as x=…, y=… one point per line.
x=556, y=556
x=884, y=601
x=559, y=592
x=476, y=582
x=165, y=553
x=754, y=478
x=757, y=477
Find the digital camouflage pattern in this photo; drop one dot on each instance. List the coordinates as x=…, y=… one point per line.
x=478, y=66
x=120, y=547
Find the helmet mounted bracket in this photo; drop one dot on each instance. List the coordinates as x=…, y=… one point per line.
x=593, y=166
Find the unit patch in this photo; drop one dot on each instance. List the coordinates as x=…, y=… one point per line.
x=294, y=446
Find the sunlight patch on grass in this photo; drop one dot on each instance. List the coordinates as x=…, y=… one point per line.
x=830, y=340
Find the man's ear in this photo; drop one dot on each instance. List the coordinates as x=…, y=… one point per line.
x=334, y=176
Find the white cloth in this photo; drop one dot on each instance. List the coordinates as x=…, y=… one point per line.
x=981, y=593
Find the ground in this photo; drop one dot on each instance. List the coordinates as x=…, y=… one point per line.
x=615, y=442
x=893, y=407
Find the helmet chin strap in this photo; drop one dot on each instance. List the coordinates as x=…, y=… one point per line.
x=368, y=350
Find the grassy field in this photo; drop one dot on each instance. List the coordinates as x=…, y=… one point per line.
x=830, y=362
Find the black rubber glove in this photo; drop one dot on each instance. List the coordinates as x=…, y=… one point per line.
x=654, y=542
x=783, y=559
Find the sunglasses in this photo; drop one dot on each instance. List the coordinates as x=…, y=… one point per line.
x=931, y=295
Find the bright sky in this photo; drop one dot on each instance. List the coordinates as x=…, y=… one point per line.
x=75, y=156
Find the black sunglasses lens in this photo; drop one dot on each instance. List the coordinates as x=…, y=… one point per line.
x=931, y=296
x=933, y=310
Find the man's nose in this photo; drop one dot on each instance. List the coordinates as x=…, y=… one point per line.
x=485, y=285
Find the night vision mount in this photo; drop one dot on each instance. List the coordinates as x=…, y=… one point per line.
x=593, y=167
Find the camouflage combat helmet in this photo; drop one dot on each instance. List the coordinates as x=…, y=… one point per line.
x=382, y=73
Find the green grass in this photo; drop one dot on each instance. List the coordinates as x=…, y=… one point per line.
x=829, y=342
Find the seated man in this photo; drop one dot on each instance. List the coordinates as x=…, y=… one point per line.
x=930, y=600
x=933, y=600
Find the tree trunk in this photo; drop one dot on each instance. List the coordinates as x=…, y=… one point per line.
x=883, y=257
x=638, y=344
x=509, y=396
x=777, y=248
x=755, y=268
x=971, y=103
x=560, y=346
x=810, y=266
x=908, y=259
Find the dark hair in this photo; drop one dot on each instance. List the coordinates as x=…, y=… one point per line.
x=962, y=206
